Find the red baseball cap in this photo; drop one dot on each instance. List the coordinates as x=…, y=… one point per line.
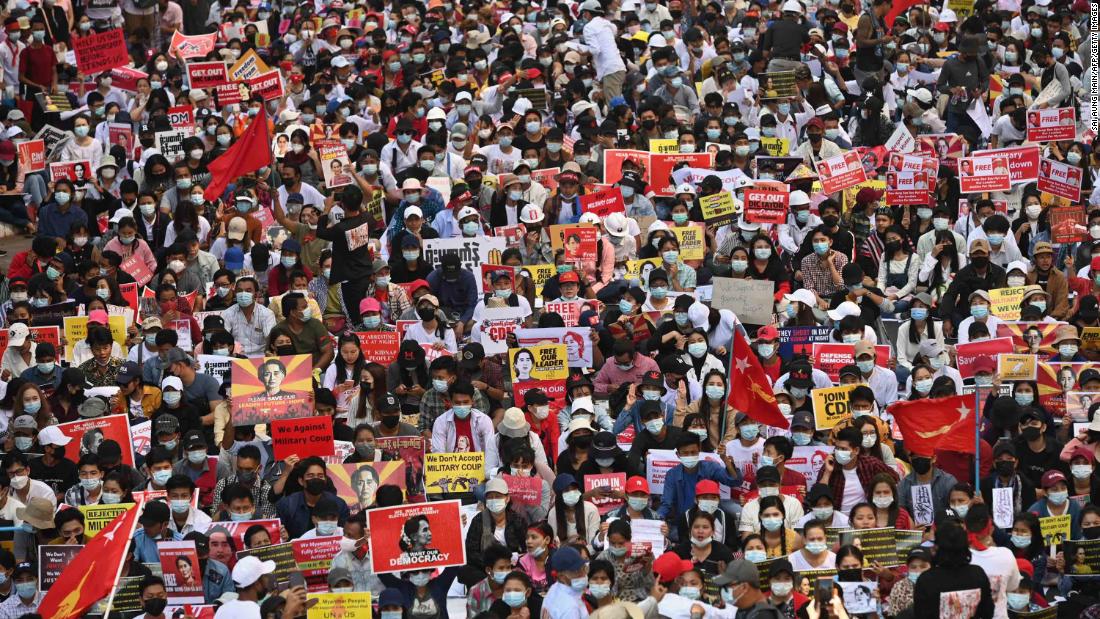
x=985, y=364
x=767, y=332
x=706, y=486
x=1052, y=477
x=669, y=566
x=1095, y=264
x=569, y=276
x=637, y=484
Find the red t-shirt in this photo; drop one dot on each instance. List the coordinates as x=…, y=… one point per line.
x=464, y=436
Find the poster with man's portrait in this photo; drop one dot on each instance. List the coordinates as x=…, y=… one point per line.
x=268, y=388
x=416, y=537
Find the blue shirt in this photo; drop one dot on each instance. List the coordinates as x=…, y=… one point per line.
x=145, y=547
x=296, y=514
x=216, y=580
x=53, y=222
x=1041, y=509
x=633, y=418
x=680, y=483
x=430, y=203
x=460, y=296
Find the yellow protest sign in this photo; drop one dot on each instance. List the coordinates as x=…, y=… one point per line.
x=340, y=606
x=850, y=193
x=693, y=242
x=541, y=362
x=718, y=208
x=76, y=329
x=1090, y=338
x=638, y=270
x=453, y=472
x=1055, y=529
x=250, y=65
x=539, y=274
x=97, y=517
x=664, y=146
x=1006, y=301
x=776, y=147
x=831, y=406
x=1017, y=367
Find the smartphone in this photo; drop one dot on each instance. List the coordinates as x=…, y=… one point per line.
x=297, y=579
x=823, y=592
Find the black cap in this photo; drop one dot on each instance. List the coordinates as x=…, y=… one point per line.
x=1003, y=447
x=779, y=566
x=324, y=396
x=849, y=370
x=451, y=262
x=389, y=402
x=1088, y=308
x=658, y=274
x=817, y=491
x=1086, y=376
x=536, y=397
x=213, y=323
x=768, y=474
x=194, y=440
x=803, y=419
x=24, y=568
x=604, y=444
x=673, y=364
x=128, y=372
x=920, y=552
x=45, y=349
x=653, y=378
x=156, y=512
x=576, y=379
x=648, y=407
x=852, y=274
x=472, y=355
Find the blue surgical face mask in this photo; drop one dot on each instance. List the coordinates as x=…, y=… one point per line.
x=658, y=293
x=918, y=313
x=715, y=392
x=821, y=248
x=979, y=311
x=750, y=431
x=627, y=191
x=626, y=306
x=326, y=527
x=462, y=412
x=866, y=366
x=801, y=438
x=1024, y=398
x=923, y=385
x=244, y=299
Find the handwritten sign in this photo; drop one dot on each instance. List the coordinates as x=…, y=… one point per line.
x=101, y=51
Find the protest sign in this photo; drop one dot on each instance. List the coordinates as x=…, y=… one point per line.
x=52, y=560
x=196, y=46
x=122, y=135
x=800, y=340
x=659, y=461
x=51, y=335
x=182, y=574
x=268, y=388
x=236, y=529
x=409, y=450
x=878, y=545
x=249, y=65
x=340, y=606
x=126, y=78
x=577, y=342
x=523, y=490
x=840, y=172
x=214, y=365
x=88, y=434
x=831, y=406
x=302, y=437
x=901, y=141
x=1060, y=179
x=334, y=163
x=539, y=362
x=313, y=557
x=495, y=326
x=718, y=208
x=453, y=472
x=268, y=85
x=776, y=147
x=921, y=162
x=646, y=536
x=603, y=203
x=32, y=155
x=415, y=537
x=750, y=299
x=732, y=180
x=909, y=187
x=232, y=93
x=1013, y=366
x=78, y=172
x=693, y=240
x=358, y=483
x=578, y=241
x=182, y=117
x=170, y=143
x=471, y=252
x=766, y=207
x=547, y=177
x=778, y=85
x=379, y=346
x=1067, y=223
x=613, y=483
x=1082, y=557
x=97, y=517
x=638, y=270
x=613, y=159
x=987, y=173
x=809, y=460
x=100, y=51
x=1055, y=529
x=76, y=330
x=1051, y=125
x=947, y=147
x=1005, y=302
x=207, y=74
x=1023, y=162
x=512, y=235
x=281, y=554
x=969, y=353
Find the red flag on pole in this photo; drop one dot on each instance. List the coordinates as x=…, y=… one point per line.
x=942, y=423
x=249, y=153
x=92, y=574
x=899, y=7
x=750, y=391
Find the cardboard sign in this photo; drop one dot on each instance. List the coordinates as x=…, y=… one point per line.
x=445, y=473
x=878, y=545
x=766, y=207
x=841, y=172
x=207, y=74
x=196, y=46
x=1051, y=125
x=32, y=155
x=335, y=163
x=379, y=346
x=357, y=484
x=121, y=134
x=88, y=434
x=136, y=267
x=313, y=557
x=751, y=300
x=661, y=165
x=497, y=323
x=614, y=482
x=969, y=353
x=524, y=490
x=415, y=537
x=38, y=334
x=1060, y=179
x=579, y=241
x=268, y=388
x=1023, y=162
x=101, y=51
x=988, y=173
x=309, y=436
x=1014, y=366
x=232, y=93
x=603, y=203
x=901, y=141
x=1067, y=223
x=179, y=564
x=909, y=187
x=1005, y=302
x=831, y=406
x=577, y=342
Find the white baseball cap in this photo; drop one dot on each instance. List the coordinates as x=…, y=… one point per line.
x=844, y=310
x=249, y=569
x=413, y=210
x=792, y=6
x=465, y=212
x=17, y=334
x=50, y=435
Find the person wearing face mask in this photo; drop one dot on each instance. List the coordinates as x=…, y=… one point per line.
x=59, y=215
x=499, y=519
x=1005, y=475
x=185, y=518
x=154, y=528
x=971, y=283
x=849, y=464
x=1037, y=453
x=564, y=598
x=254, y=581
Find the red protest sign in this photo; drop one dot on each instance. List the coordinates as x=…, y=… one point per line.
x=986, y=173
x=614, y=158
x=195, y=46
x=524, y=490
x=899, y=162
x=1060, y=179
x=841, y=172
x=136, y=268
x=1051, y=125
x=38, y=335
x=313, y=557
x=832, y=357
x=268, y=85
x=125, y=78
x=570, y=311
x=909, y=187
x=416, y=537
x=311, y=436
x=379, y=346
x=182, y=117
x=614, y=482
x=1067, y=223
x=970, y=352
x=547, y=177
x=766, y=207
x=32, y=155
x=661, y=165
x=1023, y=162
x=88, y=434
x=101, y=51
x=207, y=74
x=603, y=203
x=234, y=92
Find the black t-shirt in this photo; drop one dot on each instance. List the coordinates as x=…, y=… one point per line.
x=59, y=477
x=785, y=38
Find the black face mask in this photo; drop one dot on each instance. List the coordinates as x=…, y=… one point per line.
x=1030, y=433
x=922, y=465
x=154, y=606
x=315, y=486
x=830, y=220
x=284, y=351
x=815, y=138
x=1090, y=532
x=1005, y=468
x=582, y=442
x=648, y=124
x=391, y=421
x=980, y=262
x=425, y=313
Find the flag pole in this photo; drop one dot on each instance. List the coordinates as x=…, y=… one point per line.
x=129, y=543
x=977, y=438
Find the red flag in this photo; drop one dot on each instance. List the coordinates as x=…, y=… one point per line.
x=899, y=7
x=249, y=153
x=942, y=423
x=750, y=392
x=92, y=574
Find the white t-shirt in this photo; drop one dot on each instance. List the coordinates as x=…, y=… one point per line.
x=745, y=458
x=799, y=562
x=236, y=609
x=1004, y=576
x=853, y=491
